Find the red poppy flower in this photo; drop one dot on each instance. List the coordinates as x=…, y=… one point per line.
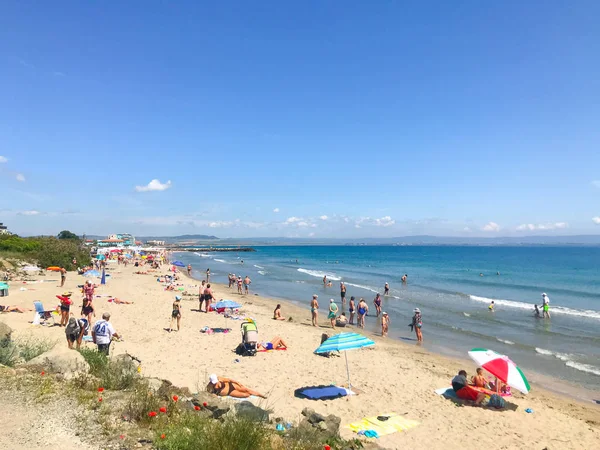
x=205, y=404
x=196, y=407
x=43, y=373
x=175, y=398
x=162, y=436
x=163, y=409
x=326, y=447
x=100, y=389
x=152, y=414
x=100, y=399
x=122, y=436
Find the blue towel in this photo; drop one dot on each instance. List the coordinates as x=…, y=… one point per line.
x=321, y=392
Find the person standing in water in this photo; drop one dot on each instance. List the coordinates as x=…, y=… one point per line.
x=363, y=309
x=385, y=324
x=546, y=306
x=343, y=294
x=189, y=270
x=377, y=303
x=417, y=324
x=314, y=309
x=208, y=275
x=325, y=281
x=404, y=278
x=386, y=289
x=351, y=308
x=491, y=307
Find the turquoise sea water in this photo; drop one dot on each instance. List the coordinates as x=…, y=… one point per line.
x=445, y=283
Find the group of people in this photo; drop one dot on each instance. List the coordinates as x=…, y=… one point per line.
x=469, y=390
x=243, y=285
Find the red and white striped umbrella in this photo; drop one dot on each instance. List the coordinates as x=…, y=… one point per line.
x=502, y=367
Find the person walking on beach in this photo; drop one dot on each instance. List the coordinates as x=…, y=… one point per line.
x=386, y=289
x=189, y=269
x=343, y=294
x=65, y=307
x=176, y=313
x=230, y=280
x=208, y=275
x=208, y=295
x=201, y=293
x=351, y=308
x=385, y=324
x=333, y=309
x=314, y=310
x=239, y=284
x=546, y=306
x=63, y=276
x=377, y=303
x=247, y=282
x=102, y=334
x=417, y=323
x=363, y=309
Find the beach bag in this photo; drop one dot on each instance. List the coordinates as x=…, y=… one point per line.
x=496, y=401
x=246, y=349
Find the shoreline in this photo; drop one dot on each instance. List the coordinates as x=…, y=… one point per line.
x=392, y=376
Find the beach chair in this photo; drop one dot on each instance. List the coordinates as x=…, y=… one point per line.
x=249, y=344
x=44, y=316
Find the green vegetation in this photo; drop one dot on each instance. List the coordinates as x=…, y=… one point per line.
x=13, y=352
x=110, y=374
x=46, y=251
x=66, y=234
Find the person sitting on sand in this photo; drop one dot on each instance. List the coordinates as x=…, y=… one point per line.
x=226, y=387
x=479, y=380
x=12, y=308
x=274, y=344
x=464, y=391
x=341, y=321
x=277, y=313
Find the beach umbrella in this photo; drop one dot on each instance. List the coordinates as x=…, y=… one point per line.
x=115, y=250
x=342, y=343
x=53, y=269
x=101, y=257
x=501, y=367
x=178, y=264
x=227, y=304
x=103, y=280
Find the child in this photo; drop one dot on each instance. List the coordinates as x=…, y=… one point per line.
x=385, y=324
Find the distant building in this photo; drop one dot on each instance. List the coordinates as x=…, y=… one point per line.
x=111, y=243
x=155, y=242
x=3, y=229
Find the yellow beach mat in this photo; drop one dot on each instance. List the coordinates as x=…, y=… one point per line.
x=382, y=427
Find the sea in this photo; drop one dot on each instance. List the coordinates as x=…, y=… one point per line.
x=453, y=287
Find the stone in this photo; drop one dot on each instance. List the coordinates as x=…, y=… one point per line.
x=217, y=407
x=155, y=384
x=315, y=418
x=306, y=412
x=322, y=426
x=4, y=370
x=5, y=332
x=250, y=411
x=61, y=359
x=333, y=424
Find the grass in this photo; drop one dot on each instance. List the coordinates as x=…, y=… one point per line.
x=13, y=352
x=114, y=375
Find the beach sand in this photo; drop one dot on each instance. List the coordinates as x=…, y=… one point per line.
x=392, y=376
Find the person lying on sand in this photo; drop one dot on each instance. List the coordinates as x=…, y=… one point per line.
x=118, y=301
x=277, y=313
x=13, y=308
x=225, y=387
x=275, y=343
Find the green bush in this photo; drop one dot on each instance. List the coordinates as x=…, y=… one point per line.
x=195, y=432
x=11, y=352
x=114, y=375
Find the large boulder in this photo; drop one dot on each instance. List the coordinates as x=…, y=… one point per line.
x=252, y=412
x=5, y=332
x=61, y=360
x=329, y=426
x=214, y=404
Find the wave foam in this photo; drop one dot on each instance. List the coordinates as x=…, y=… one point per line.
x=467, y=314
x=203, y=255
x=504, y=341
x=584, y=367
x=553, y=309
x=258, y=267
x=263, y=272
x=366, y=288
x=221, y=261
x=319, y=274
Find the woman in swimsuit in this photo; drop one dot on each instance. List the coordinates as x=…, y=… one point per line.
x=65, y=306
x=88, y=309
x=277, y=313
x=274, y=344
x=7, y=308
x=226, y=387
x=176, y=312
x=314, y=310
x=363, y=309
x=239, y=285
x=377, y=303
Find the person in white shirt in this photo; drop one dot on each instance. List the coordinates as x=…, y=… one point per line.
x=102, y=334
x=546, y=305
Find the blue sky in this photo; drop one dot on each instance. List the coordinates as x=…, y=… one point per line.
x=324, y=118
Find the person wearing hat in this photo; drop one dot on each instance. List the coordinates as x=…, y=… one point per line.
x=333, y=309
x=176, y=312
x=102, y=334
x=546, y=306
x=226, y=387
x=314, y=310
x=417, y=323
x=65, y=306
x=385, y=324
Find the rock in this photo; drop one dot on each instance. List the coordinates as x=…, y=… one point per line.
x=126, y=362
x=217, y=407
x=155, y=383
x=252, y=412
x=5, y=332
x=307, y=412
x=61, y=360
x=333, y=424
x=322, y=426
x=315, y=418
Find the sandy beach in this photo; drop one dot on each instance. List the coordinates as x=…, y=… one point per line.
x=392, y=377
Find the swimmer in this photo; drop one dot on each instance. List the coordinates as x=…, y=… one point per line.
x=404, y=278
x=536, y=312
x=491, y=307
x=386, y=289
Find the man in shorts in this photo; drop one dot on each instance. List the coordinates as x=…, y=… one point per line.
x=461, y=386
x=546, y=306
x=102, y=334
x=247, y=282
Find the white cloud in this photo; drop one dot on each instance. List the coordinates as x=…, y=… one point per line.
x=20, y=177
x=386, y=221
x=28, y=213
x=595, y=183
x=3, y=159
x=356, y=225
x=154, y=185
x=221, y=224
x=542, y=226
x=467, y=229
x=311, y=234
x=276, y=210
x=596, y=220
x=491, y=226
x=294, y=220
x=323, y=217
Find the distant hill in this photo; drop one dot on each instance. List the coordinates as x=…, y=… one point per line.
x=167, y=239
